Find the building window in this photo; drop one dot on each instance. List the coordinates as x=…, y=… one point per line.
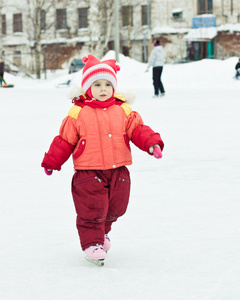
x=4, y=24
x=83, y=17
x=61, y=18
x=17, y=23
x=127, y=15
x=144, y=15
x=43, y=19
x=177, y=14
x=205, y=6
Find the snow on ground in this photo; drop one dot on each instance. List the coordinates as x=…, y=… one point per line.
x=179, y=239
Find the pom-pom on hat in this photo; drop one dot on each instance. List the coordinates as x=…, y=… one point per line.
x=95, y=69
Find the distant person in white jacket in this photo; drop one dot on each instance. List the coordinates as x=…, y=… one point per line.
x=156, y=61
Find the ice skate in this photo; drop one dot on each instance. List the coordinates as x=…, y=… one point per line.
x=107, y=243
x=96, y=255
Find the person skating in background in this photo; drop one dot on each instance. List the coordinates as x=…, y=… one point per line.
x=2, y=71
x=97, y=132
x=156, y=61
x=237, y=68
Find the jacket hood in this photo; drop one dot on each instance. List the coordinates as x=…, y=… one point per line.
x=125, y=96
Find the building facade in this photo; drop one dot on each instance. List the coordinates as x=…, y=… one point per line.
x=60, y=30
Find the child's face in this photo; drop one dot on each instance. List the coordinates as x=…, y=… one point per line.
x=102, y=89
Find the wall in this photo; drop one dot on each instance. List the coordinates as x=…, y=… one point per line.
x=229, y=12
x=227, y=44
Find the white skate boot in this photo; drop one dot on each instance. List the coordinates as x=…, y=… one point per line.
x=96, y=255
x=107, y=243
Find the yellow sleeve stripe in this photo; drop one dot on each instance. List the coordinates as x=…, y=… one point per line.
x=126, y=108
x=74, y=112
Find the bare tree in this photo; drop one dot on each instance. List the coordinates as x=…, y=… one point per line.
x=105, y=23
x=35, y=8
x=100, y=25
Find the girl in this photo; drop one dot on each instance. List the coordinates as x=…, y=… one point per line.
x=97, y=132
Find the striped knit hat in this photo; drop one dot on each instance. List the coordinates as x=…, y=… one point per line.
x=95, y=69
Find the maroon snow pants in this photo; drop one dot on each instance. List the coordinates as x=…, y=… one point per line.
x=100, y=197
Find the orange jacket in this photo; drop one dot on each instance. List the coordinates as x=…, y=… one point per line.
x=100, y=135
x=98, y=138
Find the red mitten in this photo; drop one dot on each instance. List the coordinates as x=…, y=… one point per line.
x=48, y=171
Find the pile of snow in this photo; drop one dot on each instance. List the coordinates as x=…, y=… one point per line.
x=211, y=73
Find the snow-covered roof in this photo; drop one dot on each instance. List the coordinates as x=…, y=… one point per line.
x=203, y=33
x=197, y=33
x=68, y=41
x=168, y=30
x=205, y=16
x=177, y=10
x=229, y=27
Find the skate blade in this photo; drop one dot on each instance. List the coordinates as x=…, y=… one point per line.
x=97, y=262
